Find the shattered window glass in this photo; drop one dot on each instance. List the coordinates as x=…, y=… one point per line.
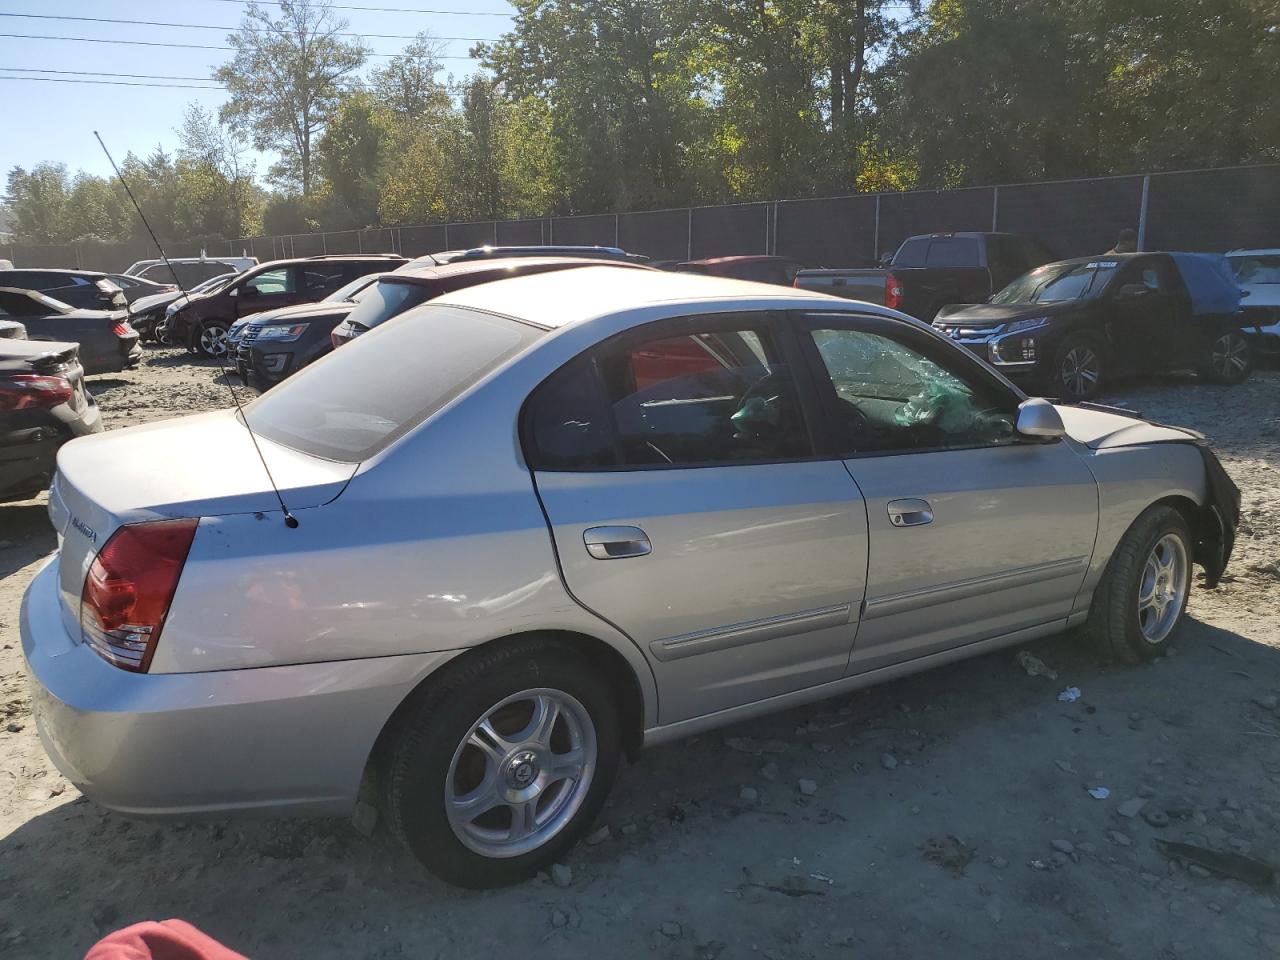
x=892, y=398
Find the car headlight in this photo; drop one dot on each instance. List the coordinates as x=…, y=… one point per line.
x=1018, y=326
x=172, y=308
x=281, y=333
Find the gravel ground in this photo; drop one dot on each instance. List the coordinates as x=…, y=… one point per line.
x=945, y=815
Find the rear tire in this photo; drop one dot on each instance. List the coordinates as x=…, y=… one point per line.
x=528, y=734
x=1230, y=359
x=1078, y=368
x=1140, y=601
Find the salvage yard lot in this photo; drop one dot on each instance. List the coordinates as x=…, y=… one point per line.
x=944, y=815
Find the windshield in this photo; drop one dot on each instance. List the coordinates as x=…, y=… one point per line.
x=348, y=292
x=386, y=299
x=360, y=398
x=1256, y=268
x=1059, y=281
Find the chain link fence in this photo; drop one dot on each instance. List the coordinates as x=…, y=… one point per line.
x=1205, y=210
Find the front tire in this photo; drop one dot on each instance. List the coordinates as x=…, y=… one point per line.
x=1142, y=597
x=498, y=766
x=1078, y=368
x=211, y=340
x=1230, y=359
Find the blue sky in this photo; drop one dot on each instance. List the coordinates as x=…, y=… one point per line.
x=55, y=121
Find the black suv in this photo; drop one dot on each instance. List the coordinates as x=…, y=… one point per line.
x=202, y=321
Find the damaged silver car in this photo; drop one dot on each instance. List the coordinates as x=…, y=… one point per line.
x=521, y=532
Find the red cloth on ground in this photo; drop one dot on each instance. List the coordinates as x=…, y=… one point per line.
x=166, y=940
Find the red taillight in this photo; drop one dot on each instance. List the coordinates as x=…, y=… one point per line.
x=30, y=391
x=129, y=588
x=121, y=329
x=892, y=291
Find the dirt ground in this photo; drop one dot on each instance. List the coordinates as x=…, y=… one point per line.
x=948, y=815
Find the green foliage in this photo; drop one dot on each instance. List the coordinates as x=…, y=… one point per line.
x=591, y=106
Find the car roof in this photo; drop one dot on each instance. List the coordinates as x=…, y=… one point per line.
x=71, y=270
x=739, y=258
x=500, y=264
x=1263, y=252
x=561, y=298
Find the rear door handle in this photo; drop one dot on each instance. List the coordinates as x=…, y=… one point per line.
x=909, y=513
x=616, y=543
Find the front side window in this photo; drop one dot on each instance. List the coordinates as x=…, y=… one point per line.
x=891, y=397
x=722, y=394
x=271, y=281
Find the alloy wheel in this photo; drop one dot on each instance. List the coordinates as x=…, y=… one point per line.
x=213, y=341
x=1165, y=580
x=1230, y=355
x=521, y=773
x=1079, y=372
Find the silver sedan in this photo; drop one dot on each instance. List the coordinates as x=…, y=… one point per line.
x=538, y=524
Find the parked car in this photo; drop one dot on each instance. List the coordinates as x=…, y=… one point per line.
x=932, y=270
x=151, y=313
x=1071, y=327
x=43, y=404
x=1258, y=273
x=136, y=288
x=188, y=272
x=201, y=321
x=762, y=269
x=107, y=342
x=83, y=289
x=413, y=285
x=531, y=250
x=540, y=523
x=295, y=336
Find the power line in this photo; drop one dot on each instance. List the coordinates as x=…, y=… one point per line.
x=206, y=26
x=104, y=73
x=116, y=83
x=155, y=43
x=341, y=6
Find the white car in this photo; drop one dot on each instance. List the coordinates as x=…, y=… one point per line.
x=1258, y=273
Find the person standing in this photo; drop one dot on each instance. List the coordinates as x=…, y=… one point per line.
x=1126, y=241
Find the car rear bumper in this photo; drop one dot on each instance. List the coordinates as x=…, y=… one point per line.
x=269, y=741
x=29, y=453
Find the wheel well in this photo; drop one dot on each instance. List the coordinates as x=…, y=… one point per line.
x=610, y=662
x=1191, y=513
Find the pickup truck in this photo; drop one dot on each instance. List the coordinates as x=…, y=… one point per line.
x=935, y=269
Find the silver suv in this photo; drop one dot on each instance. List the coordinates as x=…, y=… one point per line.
x=540, y=523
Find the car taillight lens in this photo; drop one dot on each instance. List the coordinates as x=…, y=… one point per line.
x=129, y=588
x=30, y=391
x=121, y=330
x=892, y=291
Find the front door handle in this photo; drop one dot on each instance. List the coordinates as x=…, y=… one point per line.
x=616, y=543
x=909, y=513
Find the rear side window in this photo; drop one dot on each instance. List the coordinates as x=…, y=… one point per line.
x=373, y=391
x=953, y=252
x=386, y=299
x=717, y=396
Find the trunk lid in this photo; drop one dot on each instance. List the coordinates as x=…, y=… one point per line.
x=197, y=466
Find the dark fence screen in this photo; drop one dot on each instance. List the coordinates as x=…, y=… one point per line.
x=1074, y=218
x=1213, y=210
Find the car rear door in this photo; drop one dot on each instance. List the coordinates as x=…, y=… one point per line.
x=973, y=532
x=677, y=471
x=1150, y=315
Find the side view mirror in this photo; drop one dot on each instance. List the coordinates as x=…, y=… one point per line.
x=1132, y=291
x=249, y=291
x=1040, y=419
x=886, y=259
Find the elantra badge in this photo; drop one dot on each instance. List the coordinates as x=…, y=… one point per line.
x=85, y=529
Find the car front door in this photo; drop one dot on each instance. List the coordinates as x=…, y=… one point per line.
x=973, y=532
x=677, y=470
x=1150, y=313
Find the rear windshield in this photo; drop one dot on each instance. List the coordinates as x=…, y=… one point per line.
x=379, y=387
x=386, y=299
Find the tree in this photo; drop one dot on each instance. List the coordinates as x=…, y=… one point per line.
x=38, y=201
x=217, y=190
x=351, y=156
x=285, y=79
x=407, y=85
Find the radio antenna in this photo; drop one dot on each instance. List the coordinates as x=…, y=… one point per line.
x=290, y=520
